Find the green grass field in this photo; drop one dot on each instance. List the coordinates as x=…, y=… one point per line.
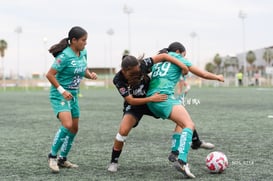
x=234, y=119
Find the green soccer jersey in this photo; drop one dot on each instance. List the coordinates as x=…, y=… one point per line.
x=165, y=76
x=70, y=69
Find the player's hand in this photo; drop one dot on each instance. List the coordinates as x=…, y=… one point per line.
x=93, y=75
x=185, y=71
x=67, y=95
x=158, y=97
x=220, y=78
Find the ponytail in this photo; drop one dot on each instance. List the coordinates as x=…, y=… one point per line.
x=76, y=32
x=173, y=47
x=164, y=50
x=59, y=47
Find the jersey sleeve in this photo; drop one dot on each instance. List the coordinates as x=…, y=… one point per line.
x=146, y=65
x=186, y=62
x=179, y=57
x=121, y=85
x=59, y=63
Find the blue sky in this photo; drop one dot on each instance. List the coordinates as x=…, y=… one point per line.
x=154, y=24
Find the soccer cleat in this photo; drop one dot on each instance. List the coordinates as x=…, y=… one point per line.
x=52, y=163
x=204, y=145
x=62, y=162
x=173, y=156
x=183, y=168
x=113, y=167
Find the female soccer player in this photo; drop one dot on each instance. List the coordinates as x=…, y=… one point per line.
x=183, y=88
x=165, y=76
x=65, y=75
x=132, y=83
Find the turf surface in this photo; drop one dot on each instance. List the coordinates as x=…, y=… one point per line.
x=234, y=119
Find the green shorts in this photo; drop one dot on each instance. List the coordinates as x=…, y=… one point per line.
x=163, y=109
x=59, y=104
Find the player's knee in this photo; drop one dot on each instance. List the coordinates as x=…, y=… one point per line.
x=120, y=138
x=74, y=129
x=68, y=126
x=124, y=130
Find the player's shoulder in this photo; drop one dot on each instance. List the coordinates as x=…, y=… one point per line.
x=146, y=65
x=119, y=77
x=64, y=54
x=83, y=52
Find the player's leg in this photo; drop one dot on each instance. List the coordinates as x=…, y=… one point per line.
x=180, y=86
x=59, y=138
x=197, y=143
x=60, y=107
x=67, y=144
x=175, y=144
x=181, y=117
x=72, y=124
x=56, y=145
x=127, y=123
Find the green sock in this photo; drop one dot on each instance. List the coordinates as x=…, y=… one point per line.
x=58, y=140
x=67, y=144
x=185, y=143
x=175, y=141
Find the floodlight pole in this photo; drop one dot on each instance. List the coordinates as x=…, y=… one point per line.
x=193, y=35
x=18, y=30
x=110, y=32
x=242, y=15
x=45, y=52
x=128, y=11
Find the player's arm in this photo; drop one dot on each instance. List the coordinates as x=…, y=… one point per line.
x=140, y=101
x=52, y=79
x=166, y=57
x=206, y=75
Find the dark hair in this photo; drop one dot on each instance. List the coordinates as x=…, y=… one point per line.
x=135, y=78
x=75, y=32
x=173, y=47
x=129, y=61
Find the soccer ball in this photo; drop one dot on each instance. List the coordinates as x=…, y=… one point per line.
x=216, y=162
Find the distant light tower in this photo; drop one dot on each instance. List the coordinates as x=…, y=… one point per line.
x=242, y=15
x=128, y=11
x=110, y=32
x=18, y=30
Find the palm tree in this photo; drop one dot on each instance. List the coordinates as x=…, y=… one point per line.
x=250, y=58
x=3, y=47
x=217, y=60
x=268, y=55
x=232, y=62
x=125, y=52
x=210, y=67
